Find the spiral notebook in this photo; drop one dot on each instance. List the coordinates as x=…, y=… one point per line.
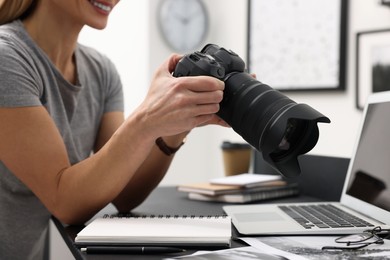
x=183, y=231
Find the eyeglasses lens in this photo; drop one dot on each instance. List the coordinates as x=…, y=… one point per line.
x=355, y=238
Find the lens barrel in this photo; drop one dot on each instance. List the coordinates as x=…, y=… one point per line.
x=262, y=116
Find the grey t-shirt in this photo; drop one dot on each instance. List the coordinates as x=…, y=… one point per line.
x=29, y=78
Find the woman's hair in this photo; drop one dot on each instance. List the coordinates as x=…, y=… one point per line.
x=14, y=9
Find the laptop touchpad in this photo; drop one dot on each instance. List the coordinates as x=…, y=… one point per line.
x=264, y=216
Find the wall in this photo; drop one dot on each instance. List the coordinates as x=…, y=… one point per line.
x=135, y=45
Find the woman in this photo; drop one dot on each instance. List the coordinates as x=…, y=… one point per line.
x=65, y=148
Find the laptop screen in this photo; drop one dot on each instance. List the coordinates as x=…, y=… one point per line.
x=370, y=174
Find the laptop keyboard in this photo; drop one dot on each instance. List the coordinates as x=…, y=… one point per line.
x=323, y=216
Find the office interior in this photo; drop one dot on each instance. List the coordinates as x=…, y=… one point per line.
x=132, y=40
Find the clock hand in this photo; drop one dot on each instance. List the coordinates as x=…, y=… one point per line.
x=182, y=19
x=194, y=13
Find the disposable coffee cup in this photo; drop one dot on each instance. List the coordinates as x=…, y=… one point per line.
x=236, y=157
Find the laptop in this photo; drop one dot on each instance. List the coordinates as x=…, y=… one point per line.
x=365, y=198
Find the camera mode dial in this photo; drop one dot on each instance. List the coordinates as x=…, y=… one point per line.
x=197, y=64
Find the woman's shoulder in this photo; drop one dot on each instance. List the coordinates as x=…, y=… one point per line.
x=10, y=26
x=12, y=31
x=14, y=40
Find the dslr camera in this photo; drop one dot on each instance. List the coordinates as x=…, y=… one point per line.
x=279, y=128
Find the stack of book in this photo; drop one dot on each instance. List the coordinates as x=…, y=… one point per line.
x=242, y=188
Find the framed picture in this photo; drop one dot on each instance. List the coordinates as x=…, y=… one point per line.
x=372, y=64
x=298, y=45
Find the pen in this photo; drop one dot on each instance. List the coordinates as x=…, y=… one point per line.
x=130, y=250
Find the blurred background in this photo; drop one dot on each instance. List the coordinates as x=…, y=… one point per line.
x=135, y=44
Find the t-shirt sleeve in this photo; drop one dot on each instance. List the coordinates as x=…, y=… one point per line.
x=19, y=84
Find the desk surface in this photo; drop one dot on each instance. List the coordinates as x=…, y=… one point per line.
x=165, y=201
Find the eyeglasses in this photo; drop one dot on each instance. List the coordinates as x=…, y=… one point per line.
x=357, y=241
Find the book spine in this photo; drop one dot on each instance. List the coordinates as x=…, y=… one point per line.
x=262, y=195
x=248, y=197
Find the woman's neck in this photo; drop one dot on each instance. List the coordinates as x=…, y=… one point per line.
x=57, y=38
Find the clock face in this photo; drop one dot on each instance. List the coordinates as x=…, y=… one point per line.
x=183, y=23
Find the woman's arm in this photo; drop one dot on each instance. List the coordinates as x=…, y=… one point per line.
x=149, y=174
x=32, y=147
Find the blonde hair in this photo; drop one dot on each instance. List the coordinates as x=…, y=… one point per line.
x=13, y=9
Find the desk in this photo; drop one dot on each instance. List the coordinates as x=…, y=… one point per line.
x=163, y=200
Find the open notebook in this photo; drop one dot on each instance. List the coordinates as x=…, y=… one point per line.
x=365, y=198
x=183, y=231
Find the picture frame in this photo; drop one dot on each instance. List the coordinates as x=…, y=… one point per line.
x=298, y=45
x=372, y=64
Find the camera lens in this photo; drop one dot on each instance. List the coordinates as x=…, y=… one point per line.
x=272, y=123
x=294, y=134
x=289, y=138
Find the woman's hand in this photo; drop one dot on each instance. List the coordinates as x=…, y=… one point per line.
x=176, y=105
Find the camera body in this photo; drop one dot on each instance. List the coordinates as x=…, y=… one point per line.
x=279, y=128
x=203, y=63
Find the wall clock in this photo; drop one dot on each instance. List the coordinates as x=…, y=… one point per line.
x=183, y=23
